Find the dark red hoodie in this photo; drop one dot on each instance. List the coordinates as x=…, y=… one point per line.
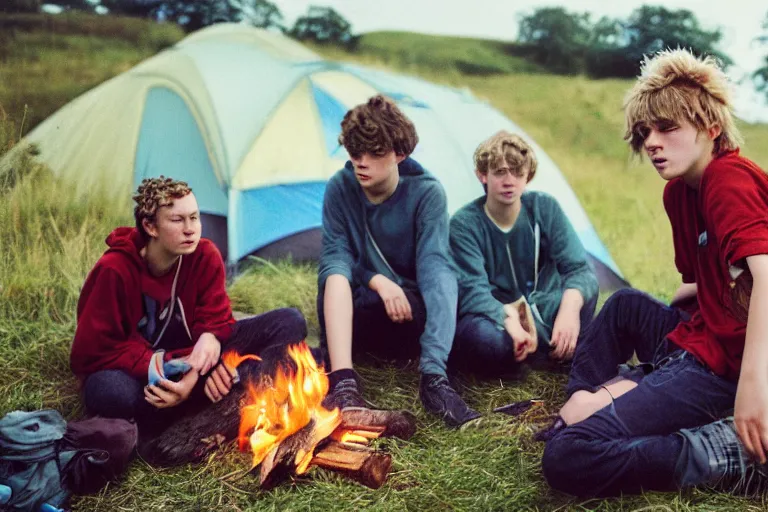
x=122, y=308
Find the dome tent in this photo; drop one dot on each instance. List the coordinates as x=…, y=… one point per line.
x=250, y=119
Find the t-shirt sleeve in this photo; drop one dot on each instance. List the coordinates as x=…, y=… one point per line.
x=684, y=258
x=736, y=204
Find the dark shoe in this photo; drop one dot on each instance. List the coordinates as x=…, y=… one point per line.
x=439, y=398
x=718, y=459
x=550, y=431
x=345, y=394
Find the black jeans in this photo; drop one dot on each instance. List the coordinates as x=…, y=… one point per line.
x=373, y=332
x=116, y=394
x=481, y=347
x=634, y=443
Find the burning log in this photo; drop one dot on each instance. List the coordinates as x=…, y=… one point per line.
x=360, y=463
x=400, y=424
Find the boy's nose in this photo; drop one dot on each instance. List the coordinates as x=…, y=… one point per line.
x=651, y=141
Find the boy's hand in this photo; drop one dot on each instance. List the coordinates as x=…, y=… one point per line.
x=167, y=393
x=206, y=353
x=523, y=341
x=219, y=383
x=565, y=333
x=751, y=415
x=395, y=302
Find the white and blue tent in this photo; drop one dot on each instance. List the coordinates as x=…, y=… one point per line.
x=251, y=119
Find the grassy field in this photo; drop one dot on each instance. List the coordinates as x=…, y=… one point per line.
x=49, y=240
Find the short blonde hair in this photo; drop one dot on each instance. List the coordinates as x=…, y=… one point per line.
x=675, y=85
x=154, y=193
x=504, y=148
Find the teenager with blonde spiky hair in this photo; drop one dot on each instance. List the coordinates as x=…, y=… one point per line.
x=665, y=424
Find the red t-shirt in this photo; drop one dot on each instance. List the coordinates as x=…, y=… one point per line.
x=715, y=228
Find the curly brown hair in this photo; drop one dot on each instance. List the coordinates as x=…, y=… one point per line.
x=504, y=148
x=152, y=194
x=377, y=127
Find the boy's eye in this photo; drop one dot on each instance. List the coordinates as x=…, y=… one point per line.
x=642, y=132
x=666, y=126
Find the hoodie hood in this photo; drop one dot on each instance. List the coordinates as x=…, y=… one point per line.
x=127, y=241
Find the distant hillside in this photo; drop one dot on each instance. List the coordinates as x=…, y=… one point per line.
x=467, y=56
x=48, y=60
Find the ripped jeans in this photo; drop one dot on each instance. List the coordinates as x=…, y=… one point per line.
x=636, y=443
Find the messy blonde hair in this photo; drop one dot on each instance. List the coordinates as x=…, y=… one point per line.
x=377, y=127
x=675, y=85
x=504, y=148
x=154, y=193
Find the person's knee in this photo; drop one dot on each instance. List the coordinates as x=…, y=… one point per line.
x=563, y=466
x=112, y=394
x=294, y=324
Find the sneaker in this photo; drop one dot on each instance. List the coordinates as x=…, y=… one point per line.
x=439, y=398
x=345, y=394
x=719, y=460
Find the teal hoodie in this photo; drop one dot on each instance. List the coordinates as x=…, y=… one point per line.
x=496, y=268
x=410, y=229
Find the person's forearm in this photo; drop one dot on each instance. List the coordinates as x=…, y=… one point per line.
x=686, y=291
x=755, y=360
x=337, y=312
x=572, y=301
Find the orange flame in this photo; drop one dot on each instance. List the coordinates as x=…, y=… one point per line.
x=279, y=406
x=232, y=359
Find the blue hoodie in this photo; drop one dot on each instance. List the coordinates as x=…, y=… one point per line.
x=411, y=231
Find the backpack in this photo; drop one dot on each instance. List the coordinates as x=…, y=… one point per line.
x=31, y=461
x=44, y=460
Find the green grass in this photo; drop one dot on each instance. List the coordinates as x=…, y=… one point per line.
x=46, y=61
x=49, y=239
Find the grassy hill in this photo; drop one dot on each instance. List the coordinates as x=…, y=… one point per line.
x=49, y=239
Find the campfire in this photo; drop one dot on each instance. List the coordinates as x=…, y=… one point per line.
x=277, y=415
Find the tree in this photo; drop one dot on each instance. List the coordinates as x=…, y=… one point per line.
x=195, y=14
x=617, y=47
x=20, y=6
x=323, y=25
x=761, y=75
x=557, y=39
x=654, y=28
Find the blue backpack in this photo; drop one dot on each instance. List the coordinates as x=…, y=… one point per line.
x=32, y=463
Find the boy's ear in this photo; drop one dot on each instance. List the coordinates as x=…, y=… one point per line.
x=482, y=177
x=714, y=131
x=400, y=158
x=149, y=227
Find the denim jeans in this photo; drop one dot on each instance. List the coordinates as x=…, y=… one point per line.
x=635, y=443
x=481, y=347
x=374, y=333
x=116, y=394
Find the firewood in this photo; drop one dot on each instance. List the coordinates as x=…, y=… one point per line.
x=360, y=463
x=294, y=454
x=188, y=439
x=400, y=424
